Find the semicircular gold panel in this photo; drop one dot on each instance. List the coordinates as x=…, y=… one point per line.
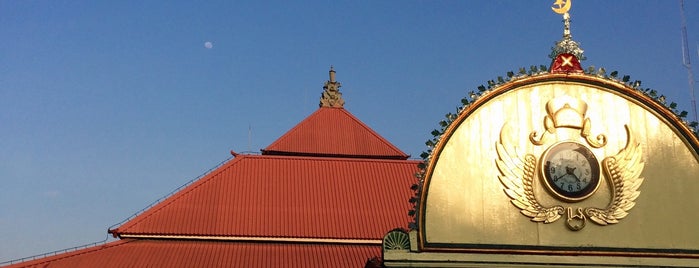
x=645, y=198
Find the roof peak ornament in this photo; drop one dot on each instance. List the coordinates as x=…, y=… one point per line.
x=332, y=97
x=566, y=54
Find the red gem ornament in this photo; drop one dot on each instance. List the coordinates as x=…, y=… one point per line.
x=566, y=63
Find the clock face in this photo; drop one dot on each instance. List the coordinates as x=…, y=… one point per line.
x=570, y=171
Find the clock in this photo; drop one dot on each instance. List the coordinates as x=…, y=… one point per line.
x=570, y=171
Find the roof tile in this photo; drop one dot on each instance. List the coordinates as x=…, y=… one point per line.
x=184, y=253
x=284, y=196
x=334, y=132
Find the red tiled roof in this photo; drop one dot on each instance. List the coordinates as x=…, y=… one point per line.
x=186, y=253
x=319, y=196
x=285, y=196
x=334, y=132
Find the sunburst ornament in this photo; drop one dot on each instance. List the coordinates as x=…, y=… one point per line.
x=396, y=240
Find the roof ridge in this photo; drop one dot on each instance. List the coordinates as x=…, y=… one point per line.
x=326, y=158
x=373, y=132
x=69, y=254
x=298, y=125
x=257, y=238
x=179, y=193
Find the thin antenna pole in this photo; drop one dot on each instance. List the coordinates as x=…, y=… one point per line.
x=687, y=63
x=249, y=138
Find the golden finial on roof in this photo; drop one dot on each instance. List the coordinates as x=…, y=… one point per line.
x=563, y=8
x=331, y=96
x=566, y=45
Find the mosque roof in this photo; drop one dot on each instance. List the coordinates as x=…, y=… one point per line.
x=322, y=195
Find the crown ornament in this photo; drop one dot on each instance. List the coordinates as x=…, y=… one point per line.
x=566, y=112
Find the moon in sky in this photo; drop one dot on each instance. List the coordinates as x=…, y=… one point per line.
x=208, y=45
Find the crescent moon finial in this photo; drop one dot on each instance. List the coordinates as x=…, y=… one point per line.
x=565, y=45
x=561, y=6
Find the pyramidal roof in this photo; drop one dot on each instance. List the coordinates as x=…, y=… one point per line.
x=322, y=195
x=321, y=180
x=335, y=132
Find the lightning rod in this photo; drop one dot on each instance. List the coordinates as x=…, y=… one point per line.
x=687, y=63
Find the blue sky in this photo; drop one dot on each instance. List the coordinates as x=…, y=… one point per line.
x=105, y=106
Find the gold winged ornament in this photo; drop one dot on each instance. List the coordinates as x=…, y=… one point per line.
x=517, y=175
x=623, y=171
x=569, y=170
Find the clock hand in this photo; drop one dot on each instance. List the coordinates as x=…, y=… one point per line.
x=572, y=173
x=555, y=179
x=576, y=177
